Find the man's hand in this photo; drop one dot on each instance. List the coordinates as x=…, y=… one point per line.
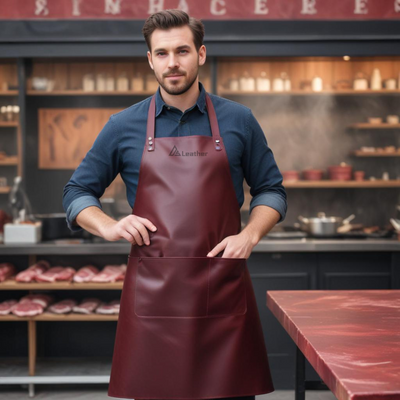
x=235, y=246
x=262, y=220
x=132, y=228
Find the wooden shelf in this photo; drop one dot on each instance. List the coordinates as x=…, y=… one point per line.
x=8, y=92
x=6, y=124
x=379, y=183
x=12, y=160
x=11, y=284
x=375, y=126
x=359, y=153
x=47, y=316
x=347, y=92
x=83, y=93
x=5, y=189
x=53, y=370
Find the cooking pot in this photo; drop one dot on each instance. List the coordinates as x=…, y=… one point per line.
x=311, y=174
x=290, y=175
x=323, y=226
x=340, y=172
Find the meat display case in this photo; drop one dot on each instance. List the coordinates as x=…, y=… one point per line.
x=50, y=370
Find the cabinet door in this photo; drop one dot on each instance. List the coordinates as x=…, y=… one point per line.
x=396, y=270
x=280, y=271
x=352, y=271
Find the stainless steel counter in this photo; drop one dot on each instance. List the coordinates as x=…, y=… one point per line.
x=265, y=245
x=319, y=245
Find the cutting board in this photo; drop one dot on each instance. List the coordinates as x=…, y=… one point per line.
x=66, y=135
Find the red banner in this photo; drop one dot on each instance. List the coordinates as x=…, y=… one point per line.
x=206, y=9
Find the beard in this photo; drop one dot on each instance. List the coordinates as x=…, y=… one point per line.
x=177, y=89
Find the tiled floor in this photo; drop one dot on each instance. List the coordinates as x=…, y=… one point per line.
x=44, y=393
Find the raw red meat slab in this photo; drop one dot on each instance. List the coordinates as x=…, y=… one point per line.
x=6, y=306
x=87, y=306
x=57, y=273
x=86, y=273
x=63, y=306
x=29, y=274
x=110, y=273
x=6, y=270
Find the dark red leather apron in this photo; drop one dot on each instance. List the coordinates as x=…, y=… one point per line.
x=188, y=325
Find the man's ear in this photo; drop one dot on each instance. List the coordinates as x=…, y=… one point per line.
x=149, y=59
x=202, y=55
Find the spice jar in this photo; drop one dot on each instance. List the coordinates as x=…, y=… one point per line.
x=263, y=83
x=122, y=82
x=137, y=83
x=15, y=110
x=9, y=113
x=234, y=83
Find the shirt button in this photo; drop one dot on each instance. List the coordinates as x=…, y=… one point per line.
x=168, y=108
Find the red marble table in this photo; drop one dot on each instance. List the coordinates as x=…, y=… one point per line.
x=350, y=337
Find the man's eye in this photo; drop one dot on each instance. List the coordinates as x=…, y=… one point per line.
x=160, y=53
x=185, y=51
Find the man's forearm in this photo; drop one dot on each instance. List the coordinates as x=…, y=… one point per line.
x=94, y=220
x=262, y=220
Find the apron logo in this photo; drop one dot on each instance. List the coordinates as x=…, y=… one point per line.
x=176, y=152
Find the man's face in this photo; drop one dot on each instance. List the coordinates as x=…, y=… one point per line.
x=174, y=59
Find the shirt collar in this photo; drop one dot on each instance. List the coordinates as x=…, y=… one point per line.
x=201, y=100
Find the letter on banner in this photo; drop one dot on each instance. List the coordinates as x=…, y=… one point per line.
x=112, y=7
x=397, y=5
x=155, y=6
x=183, y=6
x=361, y=7
x=76, y=12
x=41, y=7
x=213, y=7
x=261, y=7
x=309, y=7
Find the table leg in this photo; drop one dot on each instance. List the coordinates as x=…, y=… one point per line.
x=32, y=354
x=32, y=346
x=300, y=387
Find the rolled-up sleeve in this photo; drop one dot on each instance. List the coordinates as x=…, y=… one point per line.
x=261, y=171
x=94, y=174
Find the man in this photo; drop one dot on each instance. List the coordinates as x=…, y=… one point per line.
x=188, y=326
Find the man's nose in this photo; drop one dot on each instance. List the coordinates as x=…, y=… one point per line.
x=173, y=61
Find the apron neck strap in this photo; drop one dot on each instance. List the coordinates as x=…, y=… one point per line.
x=211, y=117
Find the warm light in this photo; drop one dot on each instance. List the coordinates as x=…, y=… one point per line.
x=346, y=58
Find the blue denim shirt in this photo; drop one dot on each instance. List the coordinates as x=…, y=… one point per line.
x=119, y=146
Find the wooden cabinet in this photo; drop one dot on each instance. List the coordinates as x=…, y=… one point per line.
x=355, y=271
x=280, y=271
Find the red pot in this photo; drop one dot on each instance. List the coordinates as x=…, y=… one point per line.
x=290, y=175
x=340, y=172
x=312, y=174
x=359, y=175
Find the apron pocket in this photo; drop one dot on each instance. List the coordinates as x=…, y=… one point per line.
x=227, y=291
x=190, y=287
x=171, y=287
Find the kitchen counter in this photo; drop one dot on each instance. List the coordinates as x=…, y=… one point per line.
x=319, y=245
x=76, y=247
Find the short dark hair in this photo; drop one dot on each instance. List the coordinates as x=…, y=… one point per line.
x=173, y=18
